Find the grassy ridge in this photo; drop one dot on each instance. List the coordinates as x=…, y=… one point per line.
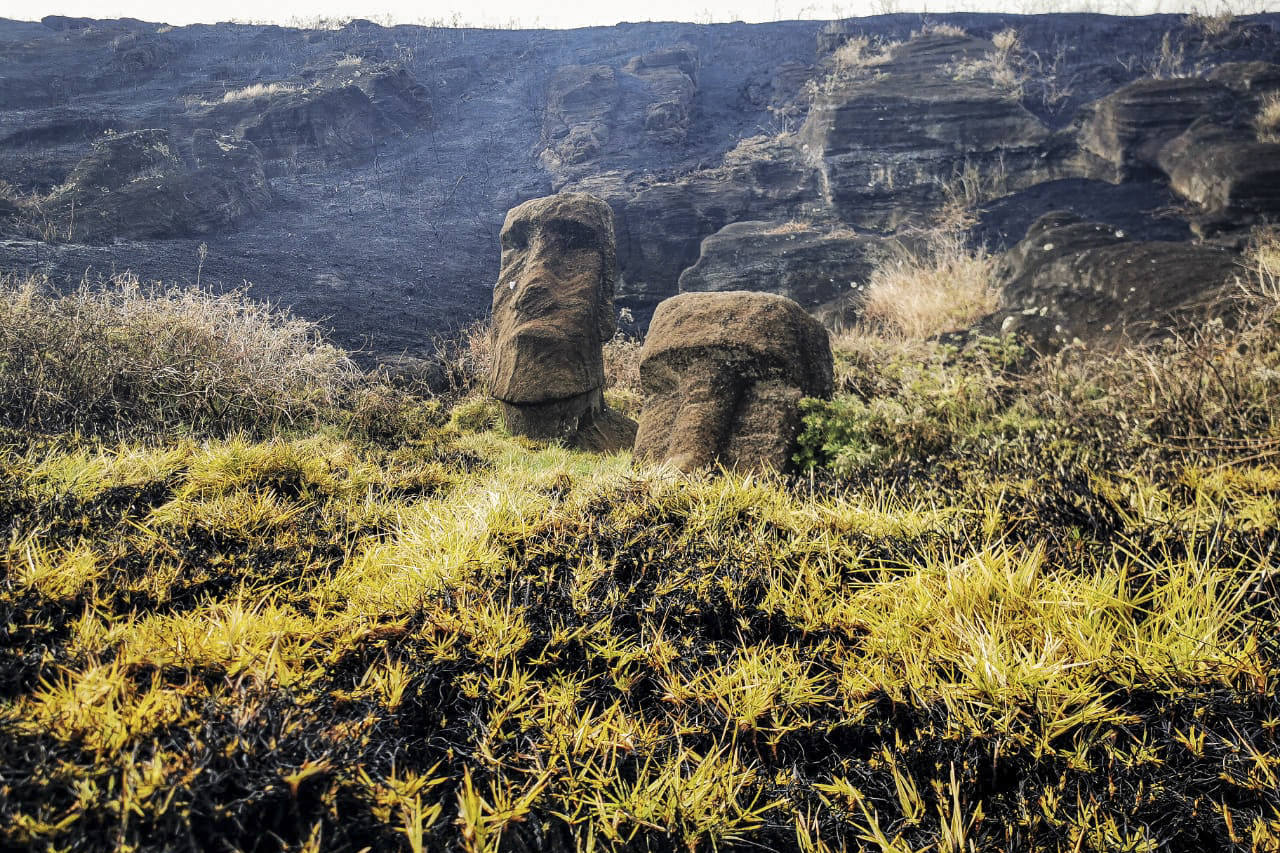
x=1008, y=607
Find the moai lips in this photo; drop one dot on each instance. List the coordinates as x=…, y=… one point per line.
x=552, y=313
x=723, y=376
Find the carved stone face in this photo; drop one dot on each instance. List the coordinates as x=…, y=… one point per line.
x=723, y=376
x=553, y=303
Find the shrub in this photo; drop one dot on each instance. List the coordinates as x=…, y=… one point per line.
x=124, y=356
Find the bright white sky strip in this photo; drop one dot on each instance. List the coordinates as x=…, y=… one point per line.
x=525, y=13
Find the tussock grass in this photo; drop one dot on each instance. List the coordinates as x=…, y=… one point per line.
x=260, y=90
x=1268, y=120
x=937, y=288
x=1003, y=66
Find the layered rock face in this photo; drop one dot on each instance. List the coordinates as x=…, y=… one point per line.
x=1070, y=279
x=1125, y=131
x=345, y=113
x=552, y=312
x=888, y=139
x=596, y=113
x=135, y=185
x=393, y=153
x=723, y=376
x=822, y=269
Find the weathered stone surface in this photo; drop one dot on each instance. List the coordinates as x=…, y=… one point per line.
x=577, y=121
x=886, y=144
x=1091, y=282
x=1255, y=80
x=723, y=376
x=389, y=252
x=822, y=269
x=136, y=186
x=1232, y=177
x=661, y=228
x=595, y=114
x=552, y=312
x=345, y=114
x=1121, y=135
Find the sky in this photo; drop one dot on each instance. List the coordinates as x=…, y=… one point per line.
x=572, y=13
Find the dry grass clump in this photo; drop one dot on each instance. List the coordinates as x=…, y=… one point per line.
x=791, y=226
x=861, y=53
x=1211, y=25
x=466, y=358
x=622, y=374
x=1268, y=120
x=257, y=90
x=124, y=356
x=939, y=28
x=1003, y=67
x=941, y=287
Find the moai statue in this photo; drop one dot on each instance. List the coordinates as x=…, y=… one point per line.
x=552, y=313
x=723, y=376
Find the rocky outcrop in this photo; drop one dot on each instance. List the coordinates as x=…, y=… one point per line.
x=1255, y=80
x=596, y=113
x=888, y=140
x=138, y=52
x=822, y=269
x=670, y=79
x=578, y=118
x=398, y=150
x=1121, y=135
x=723, y=376
x=552, y=312
x=1088, y=281
x=346, y=114
x=136, y=186
x=1233, y=178
x=661, y=227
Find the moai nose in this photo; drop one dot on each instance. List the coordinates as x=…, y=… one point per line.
x=702, y=422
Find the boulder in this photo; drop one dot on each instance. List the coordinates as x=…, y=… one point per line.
x=552, y=313
x=723, y=375
x=816, y=266
x=136, y=186
x=137, y=52
x=1091, y=282
x=1121, y=135
x=1232, y=177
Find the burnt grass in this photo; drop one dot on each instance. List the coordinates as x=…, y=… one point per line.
x=239, y=746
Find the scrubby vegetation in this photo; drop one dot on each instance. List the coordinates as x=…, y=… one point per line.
x=1006, y=605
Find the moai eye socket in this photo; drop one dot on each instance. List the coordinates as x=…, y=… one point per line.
x=570, y=234
x=516, y=237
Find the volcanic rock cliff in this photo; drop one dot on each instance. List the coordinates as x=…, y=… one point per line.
x=362, y=174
